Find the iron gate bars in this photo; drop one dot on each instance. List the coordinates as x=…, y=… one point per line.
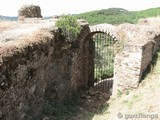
x=103, y=49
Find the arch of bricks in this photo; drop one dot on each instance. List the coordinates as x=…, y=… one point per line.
x=89, y=60
x=100, y=29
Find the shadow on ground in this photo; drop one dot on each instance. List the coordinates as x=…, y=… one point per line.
x=83, y=106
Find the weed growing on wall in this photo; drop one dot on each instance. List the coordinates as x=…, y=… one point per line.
x=69, y=26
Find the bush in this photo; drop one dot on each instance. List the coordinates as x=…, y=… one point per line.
x=70, y=27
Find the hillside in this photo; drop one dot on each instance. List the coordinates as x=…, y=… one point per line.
x=7, y=18
x=117, y=15
x=110, y=15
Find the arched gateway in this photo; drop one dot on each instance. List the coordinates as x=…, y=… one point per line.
x=99, y=46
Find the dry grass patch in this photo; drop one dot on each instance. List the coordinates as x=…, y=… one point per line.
x=6, y=25
x=38, y=37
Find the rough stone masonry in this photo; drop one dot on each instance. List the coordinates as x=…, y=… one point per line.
x=137, y=45
x=141, y=42
x=38, y=67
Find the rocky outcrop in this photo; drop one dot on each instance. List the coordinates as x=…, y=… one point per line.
x=29, y=11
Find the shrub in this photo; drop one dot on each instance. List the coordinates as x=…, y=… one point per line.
x=69, y=26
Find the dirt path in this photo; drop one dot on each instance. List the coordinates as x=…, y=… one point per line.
x=82, y=107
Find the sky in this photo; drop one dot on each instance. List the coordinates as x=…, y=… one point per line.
x=58, y=7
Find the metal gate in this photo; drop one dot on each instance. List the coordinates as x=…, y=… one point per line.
x=103, y=52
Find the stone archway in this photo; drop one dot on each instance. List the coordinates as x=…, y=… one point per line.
x=99, y=58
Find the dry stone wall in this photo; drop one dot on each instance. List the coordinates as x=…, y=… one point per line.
x=39, y=69
x=141, y=42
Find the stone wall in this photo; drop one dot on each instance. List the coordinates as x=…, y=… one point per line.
x=127, y=69
x=39, y=69
x=141, y=42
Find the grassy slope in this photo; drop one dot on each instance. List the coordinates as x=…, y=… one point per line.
x=145, y=99
x=117, y=15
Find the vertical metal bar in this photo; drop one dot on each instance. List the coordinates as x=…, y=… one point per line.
x=109, y=45
x=94, y=37
x=110, y=54
x=103, y=53
x=93, y=56
x=95, y=64
x=102, y=63
x=97, y=59
x=106, y=52
x=108, y=39
x=105, y=60
x=99, y=74
x=89, y=61
x=100, y=52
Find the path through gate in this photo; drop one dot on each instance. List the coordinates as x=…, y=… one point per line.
x=103, y=46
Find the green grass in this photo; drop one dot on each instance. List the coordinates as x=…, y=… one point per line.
x=103, y=73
